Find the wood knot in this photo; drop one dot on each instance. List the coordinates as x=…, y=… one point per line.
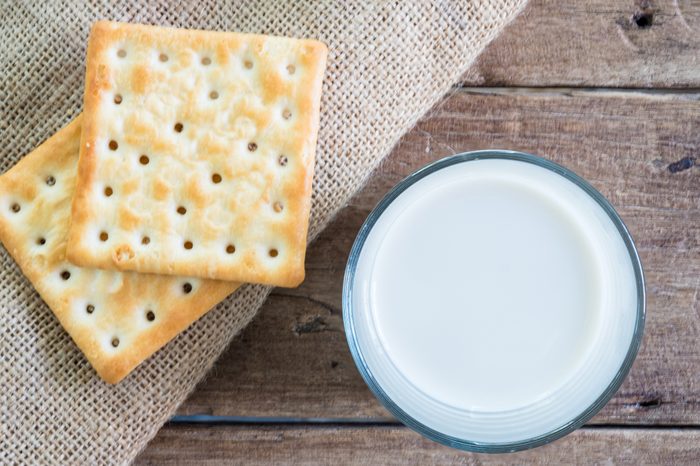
x=313, y=325
x=644, y=16
x=653, y=403
x=683, y=164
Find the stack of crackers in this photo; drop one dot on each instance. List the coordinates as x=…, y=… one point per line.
x=188, y=172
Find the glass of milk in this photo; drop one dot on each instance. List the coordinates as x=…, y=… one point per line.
x=494, y=301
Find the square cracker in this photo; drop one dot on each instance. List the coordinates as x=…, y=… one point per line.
x=117, y=319
x=204, y=142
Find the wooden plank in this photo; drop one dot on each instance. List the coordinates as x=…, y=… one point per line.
x=596, y=43
x=251, y=445
x=293, y=360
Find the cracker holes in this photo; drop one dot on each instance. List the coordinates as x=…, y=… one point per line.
x=163, y=57
x=277, y=207
x=187, y=287
x=118, y=99
x=206, y=61
x=15, y=207
x=286, y=114
x=50, y=180
x=252, y=147
x=65, y=275
x=283, y=160
x=178, y=127
x=181, y=210
x=145, y=240
x=230, y=249
x=213, y=95
x=114, y=342
x=89, y=308
x=121, y=53
x=104, y=236
x=291, y=69
x=113, y=145
x=273, y=252
x=41, y=241
x=108, y=191
x=248, y=64
x=188, y=245
x=143, y=160
x=150, y=315
x=216, y=178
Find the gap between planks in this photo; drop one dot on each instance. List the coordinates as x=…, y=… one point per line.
x=212, y=420
x=690, y=94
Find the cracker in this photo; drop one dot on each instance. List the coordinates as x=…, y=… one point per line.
x=202, y=141
x=117, y=319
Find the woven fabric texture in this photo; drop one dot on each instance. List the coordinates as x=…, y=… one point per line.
x=389, y=62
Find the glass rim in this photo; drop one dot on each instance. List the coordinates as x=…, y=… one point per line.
x=461, y=443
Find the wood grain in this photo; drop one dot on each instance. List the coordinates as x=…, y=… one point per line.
x=293, y=360
x=387, y=445
x=605, y=43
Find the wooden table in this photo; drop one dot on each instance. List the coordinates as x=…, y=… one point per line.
x=610, y=89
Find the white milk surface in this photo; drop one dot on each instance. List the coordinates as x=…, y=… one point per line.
x=494, y=300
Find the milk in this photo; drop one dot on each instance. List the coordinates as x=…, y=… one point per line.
x=494, y=301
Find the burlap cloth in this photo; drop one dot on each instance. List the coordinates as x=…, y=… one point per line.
x=389, y=62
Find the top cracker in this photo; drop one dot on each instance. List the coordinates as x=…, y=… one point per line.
x=197, y=153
